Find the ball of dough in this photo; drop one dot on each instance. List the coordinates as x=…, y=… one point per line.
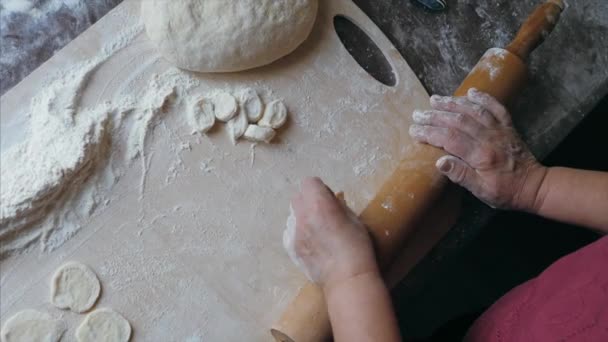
x=227, y=35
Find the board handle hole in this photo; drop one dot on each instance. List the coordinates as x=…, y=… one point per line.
x=363, y=49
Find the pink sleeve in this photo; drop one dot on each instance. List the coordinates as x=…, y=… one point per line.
x=567, y=302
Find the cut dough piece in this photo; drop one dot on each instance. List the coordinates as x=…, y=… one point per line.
x=104, y=325
x=32, y=325
x=237, y=126
x=257, y=133
x=75, y=287
x=227, y=35
x=202, y=116
x=226, y=107
x=252, y=105
x=275, y=115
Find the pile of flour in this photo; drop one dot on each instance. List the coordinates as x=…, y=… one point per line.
x=56, y=178
x=53, y=181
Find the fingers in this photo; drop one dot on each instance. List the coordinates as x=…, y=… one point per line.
x=314, y=186
x=439, y=118
x=491, y=104
x=452, y=140
x=458, y=172
x=463, y=106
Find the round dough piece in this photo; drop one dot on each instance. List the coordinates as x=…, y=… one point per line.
x=275, y=115
x=252, y=105
x=31, y=325
x=257, y=133
x=75, y=287
x=104, y=325
x=237, y=127
x=227, y=35
x=202, y=116
x=226, y=107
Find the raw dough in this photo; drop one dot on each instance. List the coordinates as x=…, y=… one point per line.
x=226, y=106
x=31, y=325
x=252, y=105
x=257, y=133
x=275, y=115
x=237, y=126
x=75, y=287
x=104, y=325
x=227, y=35
x=202, y=115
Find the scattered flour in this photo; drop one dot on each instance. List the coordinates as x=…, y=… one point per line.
x=59, y=174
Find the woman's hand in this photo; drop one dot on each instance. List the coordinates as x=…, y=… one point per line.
x=487, y=156
x=327, y=240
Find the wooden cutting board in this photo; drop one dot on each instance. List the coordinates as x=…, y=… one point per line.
x=199, y=257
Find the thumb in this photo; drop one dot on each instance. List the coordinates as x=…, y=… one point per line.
x=457, y=171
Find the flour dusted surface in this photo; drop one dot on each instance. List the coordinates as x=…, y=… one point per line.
x=185, y=230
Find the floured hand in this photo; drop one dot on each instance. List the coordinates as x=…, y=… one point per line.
x=325, y=238
x=487, y=155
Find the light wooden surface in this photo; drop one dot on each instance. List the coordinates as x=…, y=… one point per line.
x=200, y=257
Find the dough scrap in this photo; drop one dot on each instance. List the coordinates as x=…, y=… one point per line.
x=257, y=133
x=202, y=116
x=32, y=325
x=75, y=287
x=227, y=35
x=226, y=106
x=237, y=127
x=252, y=105
x=104, y=325
x=275, y=115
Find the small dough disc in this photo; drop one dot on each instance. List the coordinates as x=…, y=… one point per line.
x=75, y=287
x=237, y=127
x=226, y=106
x=202, y=115
x=31, y=325
x=104, y=325
x=252, y=105
x=275, y=115
x=257, y=133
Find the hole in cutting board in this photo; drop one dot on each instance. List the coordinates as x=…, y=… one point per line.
x=363, y=49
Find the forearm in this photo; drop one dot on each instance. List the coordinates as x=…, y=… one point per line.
x=360, y=309
x=575, y=196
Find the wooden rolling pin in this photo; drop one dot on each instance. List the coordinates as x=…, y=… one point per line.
x=407, y=195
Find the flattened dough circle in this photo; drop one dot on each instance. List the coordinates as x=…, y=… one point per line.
x=104, y=325
x=75, y=287
x=32, y=325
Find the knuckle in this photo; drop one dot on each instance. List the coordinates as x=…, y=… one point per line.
x=488, y=157
x=451, y=135
x=459, y=175
x=460, y=119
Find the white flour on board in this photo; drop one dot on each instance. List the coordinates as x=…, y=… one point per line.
x=61, y=173
x=65, y=169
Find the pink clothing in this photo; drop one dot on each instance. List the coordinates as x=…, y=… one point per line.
x=567, y=302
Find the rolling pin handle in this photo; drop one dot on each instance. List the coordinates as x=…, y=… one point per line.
x=536, y=28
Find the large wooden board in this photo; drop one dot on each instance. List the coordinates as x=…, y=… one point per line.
x=200, y=257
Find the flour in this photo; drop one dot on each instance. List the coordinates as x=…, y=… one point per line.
x=39, y=8
x=488, y=60
x=48, y=183
x=19, y=6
